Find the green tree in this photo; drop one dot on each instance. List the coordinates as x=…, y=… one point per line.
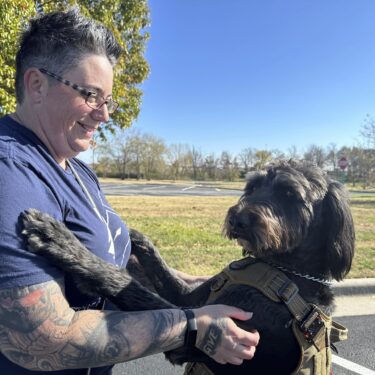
x=262, y=158
x=128, y=20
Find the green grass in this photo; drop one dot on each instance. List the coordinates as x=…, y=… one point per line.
x=187, y=230
x=363, y=209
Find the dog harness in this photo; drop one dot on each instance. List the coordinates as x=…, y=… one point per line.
x=313, y=329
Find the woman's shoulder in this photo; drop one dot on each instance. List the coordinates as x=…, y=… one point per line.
x=85, y=170
x=17, y=142
x=21, y=146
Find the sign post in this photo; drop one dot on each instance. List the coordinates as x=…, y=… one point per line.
x=343, y=163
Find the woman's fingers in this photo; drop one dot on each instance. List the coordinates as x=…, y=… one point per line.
x=220, y=338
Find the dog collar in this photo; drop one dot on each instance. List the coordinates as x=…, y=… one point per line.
x=305, y=276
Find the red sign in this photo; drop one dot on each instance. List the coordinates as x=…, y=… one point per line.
x=343, y=162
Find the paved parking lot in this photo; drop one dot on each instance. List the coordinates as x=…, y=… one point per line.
x=167, y=190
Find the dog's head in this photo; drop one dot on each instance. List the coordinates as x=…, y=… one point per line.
x=292, y=210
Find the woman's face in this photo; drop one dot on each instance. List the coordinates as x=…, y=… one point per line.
x=67, y=122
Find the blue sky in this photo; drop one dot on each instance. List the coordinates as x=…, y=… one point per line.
x=231, y=74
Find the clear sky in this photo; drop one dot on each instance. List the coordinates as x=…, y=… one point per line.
x=231, y=74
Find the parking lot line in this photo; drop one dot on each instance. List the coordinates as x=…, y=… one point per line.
x=154, y=187
x=354, y=367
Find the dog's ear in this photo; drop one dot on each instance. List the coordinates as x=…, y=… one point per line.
x=339, y=226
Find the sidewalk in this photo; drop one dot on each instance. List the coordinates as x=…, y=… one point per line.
x=351, y=287
x=354, y=297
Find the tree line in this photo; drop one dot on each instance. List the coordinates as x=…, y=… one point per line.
x=132, y=154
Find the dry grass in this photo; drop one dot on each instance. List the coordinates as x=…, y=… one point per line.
x=187, y=230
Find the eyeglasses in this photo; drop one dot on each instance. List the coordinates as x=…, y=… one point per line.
x=92, y=98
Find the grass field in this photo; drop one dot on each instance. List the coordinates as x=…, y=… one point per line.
x=187, y=230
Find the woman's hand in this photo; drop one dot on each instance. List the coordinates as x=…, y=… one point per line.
x=220, y=338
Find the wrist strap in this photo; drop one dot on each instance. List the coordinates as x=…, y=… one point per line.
x=191, y=329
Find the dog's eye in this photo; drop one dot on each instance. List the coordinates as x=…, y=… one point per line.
x=285, y=192
x=250, y=189
x=289, y=193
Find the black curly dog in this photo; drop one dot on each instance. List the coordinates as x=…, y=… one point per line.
x=291, y=215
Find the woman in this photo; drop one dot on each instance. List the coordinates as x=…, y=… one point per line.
x=64, y=75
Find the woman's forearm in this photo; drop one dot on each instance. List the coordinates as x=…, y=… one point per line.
x=39, y=331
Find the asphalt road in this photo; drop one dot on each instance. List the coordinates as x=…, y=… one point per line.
x=359, y=349
x=192, y=189
x=167, y=190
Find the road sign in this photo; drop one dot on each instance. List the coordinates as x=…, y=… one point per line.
x=343, y=162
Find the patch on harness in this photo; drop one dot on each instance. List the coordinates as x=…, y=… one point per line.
x=218, y=283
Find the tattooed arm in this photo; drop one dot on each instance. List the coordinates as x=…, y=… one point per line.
x=39, y=331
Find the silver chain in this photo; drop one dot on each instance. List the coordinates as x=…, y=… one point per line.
x=308, y=277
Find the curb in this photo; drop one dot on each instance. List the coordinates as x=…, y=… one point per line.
x=351, y=287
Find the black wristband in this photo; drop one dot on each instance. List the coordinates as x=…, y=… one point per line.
x=191, y=329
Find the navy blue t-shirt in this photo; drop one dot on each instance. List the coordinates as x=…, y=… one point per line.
x=31, y=178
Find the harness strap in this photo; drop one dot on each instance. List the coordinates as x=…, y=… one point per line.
x=275, y=285
x=338, y=332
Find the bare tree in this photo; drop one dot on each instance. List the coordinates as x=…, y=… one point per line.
x=247, y=158
x=368, y=132
x=292, y=152
x=210, y=166
x=196, y=162
x=332, y=155
x=153, y=156
x=135, y=149
x=229, y=166
x=277, y=154
x=315, y=154
x=176, y=156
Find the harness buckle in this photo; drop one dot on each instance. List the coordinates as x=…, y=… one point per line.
x=287, y=291
x=311, y=324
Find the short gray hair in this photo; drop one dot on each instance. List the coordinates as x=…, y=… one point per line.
x=61, y=40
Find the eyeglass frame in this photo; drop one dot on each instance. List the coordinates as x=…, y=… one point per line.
x=112, y=105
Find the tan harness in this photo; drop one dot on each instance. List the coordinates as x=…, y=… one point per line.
x=314, y=330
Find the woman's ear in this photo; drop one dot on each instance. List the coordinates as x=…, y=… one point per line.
x=339, y=230
x=35, y=85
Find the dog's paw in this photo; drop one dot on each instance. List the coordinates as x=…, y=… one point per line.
x=43, y=233
x=141, y=245
x=138, y=237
